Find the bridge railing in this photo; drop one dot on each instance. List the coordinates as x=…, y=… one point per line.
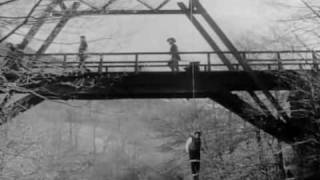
x=158, y=61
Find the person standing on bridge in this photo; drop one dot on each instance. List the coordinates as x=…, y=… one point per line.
x=175, y=56
x=193, y=148
x=83, y=47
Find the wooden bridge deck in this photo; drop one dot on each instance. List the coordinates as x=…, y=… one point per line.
x=157, y=84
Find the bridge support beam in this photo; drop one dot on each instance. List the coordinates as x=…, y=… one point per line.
x=274, y=127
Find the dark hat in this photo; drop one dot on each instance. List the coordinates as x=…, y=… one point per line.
x=171, y=39
x=198, y=132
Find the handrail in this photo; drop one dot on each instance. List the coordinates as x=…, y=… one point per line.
x=182, y=52
x=136, y=60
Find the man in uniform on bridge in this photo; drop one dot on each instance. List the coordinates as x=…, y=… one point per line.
x=175, y=57
x=193, y=147
x=82, y=50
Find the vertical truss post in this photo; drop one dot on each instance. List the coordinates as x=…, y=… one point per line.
x=279, y=61
x=315, y=61
x=237, y=55
x=136, y=65
x=209, y=61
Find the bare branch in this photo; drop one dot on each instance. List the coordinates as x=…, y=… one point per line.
x=145, y=4
x=23, y=23
x=311, y=8
x=7, y=2
x=88, y=4
x=108, y=4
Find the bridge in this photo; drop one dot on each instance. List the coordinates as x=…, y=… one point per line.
x=147, y=75
x=217, y=74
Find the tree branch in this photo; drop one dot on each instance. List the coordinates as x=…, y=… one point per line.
x=88, y=4
x=145, y=4
x=7, y=2
x=23, y=23
x=309, y=7
x=108, y=4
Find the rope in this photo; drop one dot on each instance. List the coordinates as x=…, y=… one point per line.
x=193, y=81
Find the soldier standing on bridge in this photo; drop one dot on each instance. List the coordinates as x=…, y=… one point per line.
x=193, y=147
x=175, y=57
x=82, y=50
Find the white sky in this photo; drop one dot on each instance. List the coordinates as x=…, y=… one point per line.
x=149, y=33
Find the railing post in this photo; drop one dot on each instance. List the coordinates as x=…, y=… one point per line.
x=315, y=61
x=64, y=65
x=136, y=67
x=209, y=62
x=279, y=61
x=100, y=64
x=244, y=58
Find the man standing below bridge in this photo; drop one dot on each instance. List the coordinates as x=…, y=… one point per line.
x=193, y=147
x=175, y=57
x=82, y=50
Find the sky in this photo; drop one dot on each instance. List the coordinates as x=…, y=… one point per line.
x=237, y=18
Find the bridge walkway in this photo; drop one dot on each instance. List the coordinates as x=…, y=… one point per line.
x=158, y=61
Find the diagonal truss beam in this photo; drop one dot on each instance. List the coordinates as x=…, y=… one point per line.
x=36, y=27
x=237, y=55
x=206, y=36
x=58, y=28
x=216, y=48
x=165, y=2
